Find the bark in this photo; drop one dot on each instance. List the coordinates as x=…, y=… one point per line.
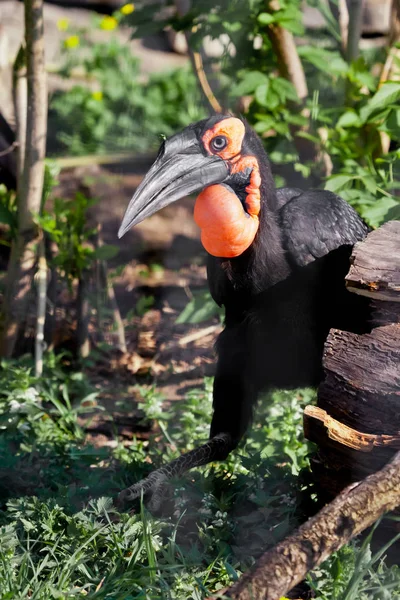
x=355, y=509
x=30, y=193
x=30, y=185
x=375, y=270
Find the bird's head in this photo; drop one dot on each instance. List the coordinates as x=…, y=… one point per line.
x=219, y=156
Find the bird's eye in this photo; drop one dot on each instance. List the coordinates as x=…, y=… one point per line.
x=219, y=143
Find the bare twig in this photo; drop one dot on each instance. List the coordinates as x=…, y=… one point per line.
x=82, y=308
x=10, y=149
x=355, y=509
x=41, y=280
x=102, y=280
x=194, y=337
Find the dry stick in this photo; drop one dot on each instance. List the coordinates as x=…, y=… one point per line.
x=83, y=316
x=102, y=277
x=30, y=184
x=41, y=279
x=355, y=509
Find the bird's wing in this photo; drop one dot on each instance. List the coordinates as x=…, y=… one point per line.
x=317, y=222
x=283, y=195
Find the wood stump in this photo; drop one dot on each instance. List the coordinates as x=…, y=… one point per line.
x=356, y=423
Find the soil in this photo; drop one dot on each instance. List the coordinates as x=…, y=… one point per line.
x=162, y=258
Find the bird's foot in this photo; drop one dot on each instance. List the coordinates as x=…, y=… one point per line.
x=153, y=488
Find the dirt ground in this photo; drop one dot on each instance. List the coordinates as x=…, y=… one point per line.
x=162, y=258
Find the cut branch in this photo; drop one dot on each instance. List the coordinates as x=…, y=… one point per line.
x=355, y=509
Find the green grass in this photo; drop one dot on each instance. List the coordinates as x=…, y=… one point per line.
x=61, y=536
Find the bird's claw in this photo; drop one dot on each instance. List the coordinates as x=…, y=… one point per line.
x=152, y=487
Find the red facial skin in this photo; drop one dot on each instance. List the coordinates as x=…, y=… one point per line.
x=226, y=229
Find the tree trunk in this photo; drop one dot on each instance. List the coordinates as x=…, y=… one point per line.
x=30, y=184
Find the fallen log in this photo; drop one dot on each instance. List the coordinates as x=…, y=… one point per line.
x=355, y=509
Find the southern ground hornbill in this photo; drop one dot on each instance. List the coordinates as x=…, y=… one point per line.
x=277, y=259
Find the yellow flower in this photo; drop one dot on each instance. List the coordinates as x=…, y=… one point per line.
x=72, y=41
x=127, y=9
x=62, y=24
x=108, y=23
x=97, y=96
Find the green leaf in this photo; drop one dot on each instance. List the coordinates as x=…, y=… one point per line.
x=387, y=94
x=337, y=182
x=329, y=62
x=261, y=94
x=106, y=252
x=250, y=82
x=349, y=119
x=201, y=308
x=7, y=216
x=265, y=18
x=376, y=213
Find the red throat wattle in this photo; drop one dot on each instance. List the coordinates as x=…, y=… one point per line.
x=227, y=230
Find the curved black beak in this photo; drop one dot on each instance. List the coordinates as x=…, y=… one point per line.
x=180, y=169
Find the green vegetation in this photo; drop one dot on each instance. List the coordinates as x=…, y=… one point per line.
x=117, y=109
x=60, y=534
x=56, y=543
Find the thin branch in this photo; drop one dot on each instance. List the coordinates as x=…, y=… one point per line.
x=41, y=279
x=10, y=149
x=355, y=509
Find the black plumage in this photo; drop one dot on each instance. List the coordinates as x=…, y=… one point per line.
x=281, y=296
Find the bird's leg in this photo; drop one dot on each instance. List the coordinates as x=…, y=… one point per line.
x=217, y=448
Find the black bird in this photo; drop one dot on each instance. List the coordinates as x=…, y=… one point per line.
x=277, y=259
